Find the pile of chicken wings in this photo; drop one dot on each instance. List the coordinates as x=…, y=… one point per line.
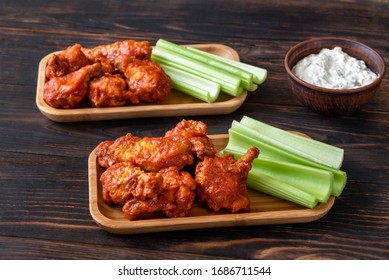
x=166, y=174
x=111, y=75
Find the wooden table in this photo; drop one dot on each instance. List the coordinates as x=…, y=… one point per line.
x=43, y=164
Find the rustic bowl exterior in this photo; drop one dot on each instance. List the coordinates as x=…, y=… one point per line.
x=333, y=101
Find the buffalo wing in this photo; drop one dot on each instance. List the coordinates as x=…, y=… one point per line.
x=196, y=133
x=150, y=154
x=126, y=76
x=147, y=80
x=125, y=181
x=151, y=174
x=110, y=91
x=67, y=92
x=221, y=181
x=170, y=190
x=112, y=54
x=65, y=62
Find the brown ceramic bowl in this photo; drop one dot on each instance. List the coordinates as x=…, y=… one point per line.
x=333, y=101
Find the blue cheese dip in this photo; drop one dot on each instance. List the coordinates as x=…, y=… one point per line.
x=334, y=69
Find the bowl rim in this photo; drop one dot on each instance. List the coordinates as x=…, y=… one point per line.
x=324, y=90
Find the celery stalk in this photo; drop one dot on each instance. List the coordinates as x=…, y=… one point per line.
x=317, y=182
x=308, y=148
x=228, y=83
x=280, y=189
x=281, y=171
x=224, y=86
x=245, y=76
x=253, y=87
x=259, y=74
x=193, y=85
x=241, y=138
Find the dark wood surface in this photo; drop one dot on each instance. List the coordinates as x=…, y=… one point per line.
x=43, y=165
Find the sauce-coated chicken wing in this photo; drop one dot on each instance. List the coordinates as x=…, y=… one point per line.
x=65, y=62
x=221, y=181
x=68, y=91
x=151, y=154
x=151, y=175
x=110, y=55
x=126, y=76
x=147, y=80
x=196, y=133
x=124, y=181
x=174, y=199
x=170, y=190
x=109, y=91
x=178, y=192
x=104, y=159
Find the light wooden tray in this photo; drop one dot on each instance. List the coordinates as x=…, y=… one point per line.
x=265, y=209
x=178, y=104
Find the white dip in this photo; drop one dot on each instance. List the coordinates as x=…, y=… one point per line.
x=334, y=69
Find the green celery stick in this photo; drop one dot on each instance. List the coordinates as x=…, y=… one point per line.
x=228, y=83
x=311, y=149
x=259, y=74
x=281, y=190
x=193, y=85
x=241, y=138
x=245, y=76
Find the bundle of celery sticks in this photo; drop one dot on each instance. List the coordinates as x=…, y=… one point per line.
x=204, y=75
x=290, y=166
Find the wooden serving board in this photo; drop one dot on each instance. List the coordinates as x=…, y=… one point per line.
x=265, y=209
x=178, y=104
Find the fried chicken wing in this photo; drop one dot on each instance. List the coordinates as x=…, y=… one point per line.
x=146, y=175
x=110, y=91
x=178, y=192
x=153, y=154
x=147, y=80
x=110, y=55
x=126, y=76
x=150, y=154
x=68, y=91
x=104, y=158
x=175, y=197
x=109, y=152
x=65, y=62
x=188, y=129
x=135, y=209
x=196, y=133
x=124, y=181
x=221, y=181
x=170, y=190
